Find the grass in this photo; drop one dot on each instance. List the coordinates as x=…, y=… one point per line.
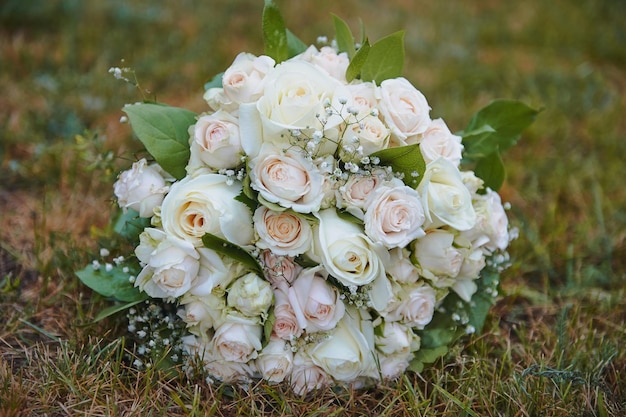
x=553, y=344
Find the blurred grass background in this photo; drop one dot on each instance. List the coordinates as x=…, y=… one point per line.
x=563, y=303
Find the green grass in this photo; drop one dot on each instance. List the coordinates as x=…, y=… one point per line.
x=553, y=344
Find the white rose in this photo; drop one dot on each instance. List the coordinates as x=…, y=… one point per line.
x=346, y=354
x=202, y=313
x=286, y=325
x=316, y=304
x=284, y=233
x=364, y=96
x=275, y=361
x=250, y=294
x=307, y=376
x=439, y=142
x=215, y=142
x=404, y=109
x=243, y=81
x=446, y=199
x=414, y=305
x=472, y=182
x=345, y=251
x=141, y=188
x=492, y=226
x=238, y=341
x=214, y=272
x=393, y=366
x=294, y=96
x=287, y=179
x=217, y=100
x=279, y=270
x=335, y=64
x=149, y=239
x=369, y=135
x=206, y=204
x=436, y=255
x=394, y=215
x=171, y=270
x=218, y=369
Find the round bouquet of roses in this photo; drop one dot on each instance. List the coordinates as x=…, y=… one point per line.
x=314, y=225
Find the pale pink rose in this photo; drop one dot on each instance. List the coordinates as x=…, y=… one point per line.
x=243, y=81
x=218, y=369
x=284, y=233
x=327, y=58
x=286, y=325
x=438, y=142
x=141, y=188
x=215, y=142
x=354, y=193
x=316, y=304
x=364, y=96
x=414, y=305
x=404, y=109
x=287, y=179
x=238, y=341
x=394, y=215
x=275, y=361
x=217, y=100
x=306, y=376
x=370, y=135
x=279, y=270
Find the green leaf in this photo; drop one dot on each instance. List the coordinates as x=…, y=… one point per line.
x=491, y=170
x=274, y=33
x=114, y=309
x=357, y=62
x=496, y=127
x=233, y=251
x=426, y=356
x=385, y=59
x=113, y=283
x=163, y=130
x=407, y=160
x=482, y=300
x=268, y=326
x=130, y=225
x=216, y=82
x=343, y=35
x=344, y=215
x=294, y=45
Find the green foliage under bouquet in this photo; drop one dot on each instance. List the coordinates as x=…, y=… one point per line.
x=314, y=226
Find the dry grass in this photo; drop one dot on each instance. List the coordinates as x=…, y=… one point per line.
x=553, y=345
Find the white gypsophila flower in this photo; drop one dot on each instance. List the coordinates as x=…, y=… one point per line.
x=141, y=188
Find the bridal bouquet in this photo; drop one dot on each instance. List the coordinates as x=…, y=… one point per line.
x=315, y=225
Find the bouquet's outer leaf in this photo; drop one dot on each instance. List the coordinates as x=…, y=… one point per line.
x=385, y=59
x=114, y=309
x=216, y=82
x=343, y=35
x=112, y=283
x=129, y=225
x=491, y=170
x=496, y=127
x=233, y=251
x=294, y=45
x=274, y=33
x=407, y=160
x=357, y=62
x=164, y=131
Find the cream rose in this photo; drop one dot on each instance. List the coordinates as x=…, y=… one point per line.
x=287, y=179
x=250, y=294
x=436, y=255
x=438, y=142
x=238, y=341
x=346, y=354
x=171, y=269
x=284, y=233
x=275, y=361
x=345, y=251
x=369, y=135
x=206, y=204
x=446, y=199
x=335, y=64
x=141, y=188
x=394, y=215
x=315, y=303
x=243, y=81
x=364, y=96
x=404, y=109
x=215, y=142
x=294, y=96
